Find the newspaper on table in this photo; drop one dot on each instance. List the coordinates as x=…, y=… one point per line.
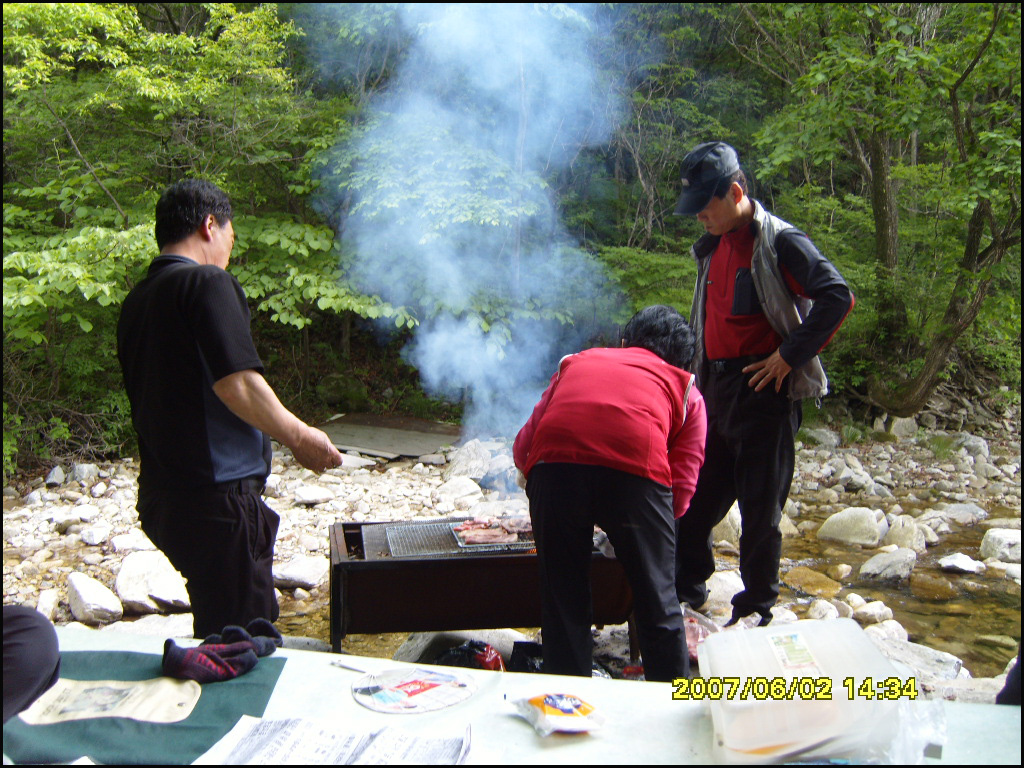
x=307, y=742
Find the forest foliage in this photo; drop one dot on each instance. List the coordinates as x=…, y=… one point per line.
x=890, y=133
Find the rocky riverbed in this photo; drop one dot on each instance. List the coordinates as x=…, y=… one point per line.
x=917, y=537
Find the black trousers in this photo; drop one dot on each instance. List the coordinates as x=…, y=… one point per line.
x=222, y=541
x=31, y=658
x=749, y=458
x=566, y=501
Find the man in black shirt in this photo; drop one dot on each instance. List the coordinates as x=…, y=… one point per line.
x=204, y=414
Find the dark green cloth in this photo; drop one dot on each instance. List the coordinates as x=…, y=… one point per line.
x=122, y=740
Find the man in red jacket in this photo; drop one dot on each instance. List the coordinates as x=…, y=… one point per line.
x=617, y=440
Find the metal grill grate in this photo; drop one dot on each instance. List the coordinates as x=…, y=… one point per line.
x=413, y=540
x=425, y=540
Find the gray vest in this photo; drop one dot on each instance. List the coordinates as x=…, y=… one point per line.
x=783, y=310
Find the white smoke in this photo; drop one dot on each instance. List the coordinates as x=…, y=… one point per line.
x=452, y=215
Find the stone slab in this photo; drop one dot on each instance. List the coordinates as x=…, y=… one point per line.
x=389, y=436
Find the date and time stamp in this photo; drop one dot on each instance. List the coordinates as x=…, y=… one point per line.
x=792, y=689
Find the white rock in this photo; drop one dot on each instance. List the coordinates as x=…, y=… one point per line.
x=1002, y=544
x=309, y=495
x=134, y=540
x=890, y=565
x=98, y=490
x=461, y=492
x=903, y=427
x=91, y=602
x=905, y=532
x=89, y=512
x=148, y=583
x=872, y=613
x=890, y=629
x=721, y=587
x=303, y=571
x=853, y=525
x=272, y=488
x=301, y=594
x=47, y=604
x=356, y=461
x=855, y=601
x=96, y=534
x=730, y=527
x=961, y=563
x=56, y=477
x=83, y=473
x=471, y=460
x=822, y=609
x=963, y=514
x=975, y=446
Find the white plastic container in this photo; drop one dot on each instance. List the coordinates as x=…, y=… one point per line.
x=801, y=691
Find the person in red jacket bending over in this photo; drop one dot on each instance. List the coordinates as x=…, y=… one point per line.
x=617, y=440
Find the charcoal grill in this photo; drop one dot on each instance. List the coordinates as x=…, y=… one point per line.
x=415, y=577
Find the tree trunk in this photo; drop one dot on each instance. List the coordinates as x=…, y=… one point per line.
x=962, y=310
x=892, y=312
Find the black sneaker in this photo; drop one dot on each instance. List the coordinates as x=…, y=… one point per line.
x=764, y=621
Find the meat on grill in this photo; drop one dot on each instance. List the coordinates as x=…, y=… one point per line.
x=488, y=536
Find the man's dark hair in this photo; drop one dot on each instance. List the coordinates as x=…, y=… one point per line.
x=183, y=206
x=726, y=184
x=663, y=331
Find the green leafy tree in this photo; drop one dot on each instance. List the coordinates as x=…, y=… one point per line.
x=917, y=107
x=106, y=104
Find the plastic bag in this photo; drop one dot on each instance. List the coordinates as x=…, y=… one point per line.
x=473, y=654
x=558, y=712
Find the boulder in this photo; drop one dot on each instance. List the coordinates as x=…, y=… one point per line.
x=95, y=535
x=905, y=532
x=961, y=563
x=84, y=473
x=963, y=514
x=460, y=492
x=903, y=427
x=872, y=613
x=311, y=495
x=927, y=663
x=305, y=571
x=56, y=477
x=839, y=571
x=91, y=602
x=134, y=540
x=722, y=586
x=853, y=525
x=471, y=460
x=810, y=582
x=822, y=609
x=928, y=587
x=973, y=445
x=148, y=583
x=895, y=565
x=889, y=628
x=47, y=604
x=729, y=528
x=821, y=436
x=1002, y=544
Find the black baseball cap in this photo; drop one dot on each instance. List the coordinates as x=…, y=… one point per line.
x=704, y=169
